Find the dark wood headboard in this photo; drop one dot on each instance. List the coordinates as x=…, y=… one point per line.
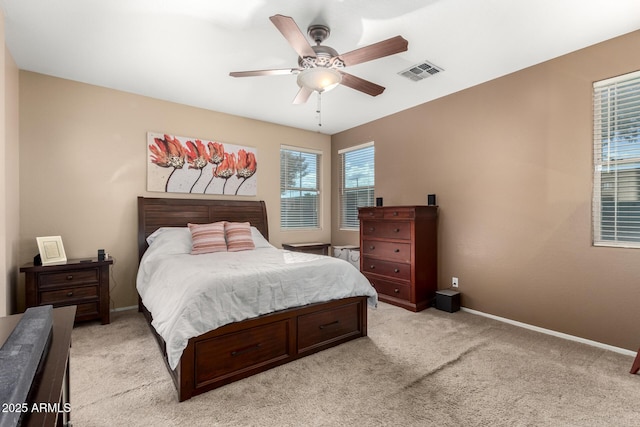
x=154, y=213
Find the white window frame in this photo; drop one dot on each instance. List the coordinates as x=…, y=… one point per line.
x=347, y=220
x=284, y=225
x=616, y=158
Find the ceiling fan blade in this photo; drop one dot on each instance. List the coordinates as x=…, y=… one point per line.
x=381, y=49
x=362, y=85
x=303, y=95
x=294, y=36
x=253, y=73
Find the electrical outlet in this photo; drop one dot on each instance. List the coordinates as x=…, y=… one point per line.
x=454, y=282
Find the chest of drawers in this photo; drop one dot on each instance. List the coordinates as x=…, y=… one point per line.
x=398, y=247
x=80, y=282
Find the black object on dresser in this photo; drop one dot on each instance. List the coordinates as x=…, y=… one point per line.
x=398, y=253
x=80, y=282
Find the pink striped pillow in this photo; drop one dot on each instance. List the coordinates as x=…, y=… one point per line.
x=207, y=238
x=238, y=236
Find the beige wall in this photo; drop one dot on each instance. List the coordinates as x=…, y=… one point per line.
x=9, y=190
x=83, y=163
x=511, y=164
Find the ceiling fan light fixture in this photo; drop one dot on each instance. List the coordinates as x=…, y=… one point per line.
x=319, y=79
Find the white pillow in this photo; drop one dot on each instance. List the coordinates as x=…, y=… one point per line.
x=258, y=239
x=178, y=239
x=173, y=240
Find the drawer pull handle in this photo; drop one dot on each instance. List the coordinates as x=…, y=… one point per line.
x=396, y=230
x=370, y=213
x=70, y=277
x=396, y=250
x=372, y=267
x=396, y=290
x=395, y=213
x=70, y=293
x=245, y=350
x=372, y=247
x=372, y=229
x=329, y=324
x=396, y=270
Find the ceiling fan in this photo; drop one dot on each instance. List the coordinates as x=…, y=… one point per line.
x=320, y=67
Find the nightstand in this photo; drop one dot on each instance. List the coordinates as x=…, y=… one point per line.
x=309, y=248
x=80, y=282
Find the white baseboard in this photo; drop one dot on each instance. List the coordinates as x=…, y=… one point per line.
x=554, y=333
x=132, y=307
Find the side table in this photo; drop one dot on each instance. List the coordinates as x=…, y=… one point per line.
x=80, y=282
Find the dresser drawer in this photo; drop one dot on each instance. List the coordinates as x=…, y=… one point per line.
x=399, y=213
x=364, y=213
x=391, y=251
x=68, y=296
x=394, y=270
x=387, y=229
x=397, y=290
x=71, y=277
x=320, y=328
x=241, y=351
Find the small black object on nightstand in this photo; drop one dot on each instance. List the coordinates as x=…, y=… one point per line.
x=448, y=300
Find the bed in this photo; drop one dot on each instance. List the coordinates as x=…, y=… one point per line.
x=246, y=347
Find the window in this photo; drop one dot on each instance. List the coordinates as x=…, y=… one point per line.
x=357, y=183
x=299, y=188
x=616, y=181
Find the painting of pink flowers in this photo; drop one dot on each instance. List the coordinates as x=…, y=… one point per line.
x=178, y=164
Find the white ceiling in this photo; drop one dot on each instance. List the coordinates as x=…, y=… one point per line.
x=183, y=50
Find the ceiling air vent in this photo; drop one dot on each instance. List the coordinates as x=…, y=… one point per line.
x=420, y=71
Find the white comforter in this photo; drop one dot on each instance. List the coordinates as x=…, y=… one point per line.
x=189, y=295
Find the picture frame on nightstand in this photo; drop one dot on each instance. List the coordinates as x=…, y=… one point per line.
x=51, y=250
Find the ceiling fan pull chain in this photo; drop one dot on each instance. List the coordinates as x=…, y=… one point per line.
x=318, y=109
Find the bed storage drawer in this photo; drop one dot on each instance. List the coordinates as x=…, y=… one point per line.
x=324, y=327
x=241, y=351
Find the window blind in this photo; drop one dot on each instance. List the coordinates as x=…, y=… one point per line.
x=299, y=188
x=616, y=182
x=357, y=173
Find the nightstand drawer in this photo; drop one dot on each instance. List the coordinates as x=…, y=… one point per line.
x=67, y=296
x=387, y=230
x=394, y=270
x=89, y=310
x=71, y=277
x=391, y=251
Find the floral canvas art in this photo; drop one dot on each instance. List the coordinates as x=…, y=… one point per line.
x=178, y=164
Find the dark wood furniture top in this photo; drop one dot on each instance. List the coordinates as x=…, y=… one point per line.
x=51, y=384
x=245, y=348
x=81, y=282
x=398, y=253
x=309, y=248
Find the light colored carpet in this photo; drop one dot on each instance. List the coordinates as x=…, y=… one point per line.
x=414, y=369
